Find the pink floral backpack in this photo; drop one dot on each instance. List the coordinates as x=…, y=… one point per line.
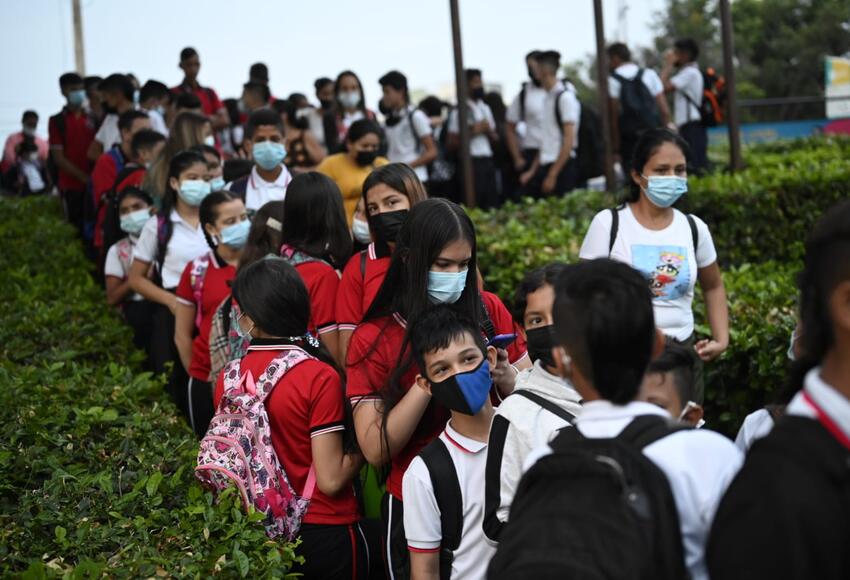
x=237, y=449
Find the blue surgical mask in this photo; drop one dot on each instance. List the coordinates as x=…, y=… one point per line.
x=446, y=287
x=665, y=190
x=236, y=235
x=209, y=141
x=193, y=191
x=269, y=154
x=77, y=98
x=132, y=223
x=349, y=99
x=217, y=183
x=464, y=392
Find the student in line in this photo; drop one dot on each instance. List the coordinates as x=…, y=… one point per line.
x=388, y=194
x=786, y=514
x=524, y=127
x=316, y=240
x=188, y=130
x=306, y=413
x=669, y=384
x=117, y=92
x=211, y=105
x=349, y=106
x=204, y=284
x=214, y=165
x=454, y=362
x=434, y=262
x=606, y=336
x=541, y=404
x=672, y=250
x=687, y=85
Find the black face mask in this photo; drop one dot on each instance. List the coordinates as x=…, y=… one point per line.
x=477, y=94
x=385, y=226
x=534, y=81
x=326, y=103
x=541, y=340
x=366, y=157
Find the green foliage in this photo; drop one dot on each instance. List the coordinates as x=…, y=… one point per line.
x=95, y=464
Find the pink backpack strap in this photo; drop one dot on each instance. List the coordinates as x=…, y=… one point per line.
x=280, y=365
x=310, y=486
x=196, y=280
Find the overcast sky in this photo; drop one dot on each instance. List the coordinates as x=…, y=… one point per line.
x=298, y=40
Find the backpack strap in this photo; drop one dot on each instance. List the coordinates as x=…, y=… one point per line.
x=546, y=404
x=284, y=362
x=486, y=322
x=416, y=136
x=615, y=227
x=694, y=232
x=522, y=92
x=363, y=258
x=196, y=281
x=647, y=429
x=240, y=187
x=447, y=492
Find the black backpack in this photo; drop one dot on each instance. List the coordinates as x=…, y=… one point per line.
x=594, y=509
x=590, y=154
x=638, y=110
x=447, y=493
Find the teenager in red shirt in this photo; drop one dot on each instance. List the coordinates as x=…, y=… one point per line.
x=388, y=194
x=434, y=262
x=211, y=105
x=205, y=283
x=316, y=241
x=306, y=412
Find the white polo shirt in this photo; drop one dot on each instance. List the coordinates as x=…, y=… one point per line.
x=699, y=465
x=687, y=81
x=816, y=395
x=529, y=128
x=756, y=425
x=186, y=244
x=108, y=133
x=479, y=145
x=258, y=191
x=552, y=137
x=403, y=146
x=422, y=516
x=114, y=266
x=629, y=71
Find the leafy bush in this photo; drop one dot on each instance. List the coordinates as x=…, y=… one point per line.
x=95, y=464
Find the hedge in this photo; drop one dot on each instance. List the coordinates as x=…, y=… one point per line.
x=95, y=463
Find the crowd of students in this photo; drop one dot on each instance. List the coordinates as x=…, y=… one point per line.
x=318, y=307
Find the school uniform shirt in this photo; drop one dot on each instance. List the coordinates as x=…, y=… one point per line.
x=357, y=289
x=520, y=426
x=108, y=133
x=157, y=121
x=74, y=141
x=349, y=177
x=214, y=290
x=687, y=81
x=698, y=463
x=210, y=103
x=422, y=516
x=186, y=244
x=552, y=135
x=306, y=403
x=322, y=283
x=756, y=425
x=373, y=354
x=259, y=192
x=10, y=156
x=666, y=258
x=404, y=141
x=479, y=145
x=629, y=71
x=102, y=179
x=529, y=128
x=118, y=260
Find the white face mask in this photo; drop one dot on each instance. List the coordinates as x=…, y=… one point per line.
x=360, y=229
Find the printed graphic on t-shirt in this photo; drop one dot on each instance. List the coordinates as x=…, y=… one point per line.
x=665, y=268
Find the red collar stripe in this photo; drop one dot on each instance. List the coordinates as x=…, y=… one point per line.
x=827, y=422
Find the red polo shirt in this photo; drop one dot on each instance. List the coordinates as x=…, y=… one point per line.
x=306, y=403
x=102, y=179
x=210, y=103
x=214, y=290
x=74, y=141
x=360, y=284
x=322, y=282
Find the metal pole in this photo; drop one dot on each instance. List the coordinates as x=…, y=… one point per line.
x=79, y=50
x=602, y=88
x=735, y=161
x=462, y=109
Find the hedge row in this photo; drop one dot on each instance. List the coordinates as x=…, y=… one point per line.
x=95, y=465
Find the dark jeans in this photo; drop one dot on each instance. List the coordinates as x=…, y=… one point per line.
x=486, y=183
x=566, y=182
x=333, y=552
x=164, y=351
x=696, y=136
x=139, y=316
x=396, y=556
x=72, y=202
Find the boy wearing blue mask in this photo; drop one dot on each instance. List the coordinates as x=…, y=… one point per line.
x=444, y=485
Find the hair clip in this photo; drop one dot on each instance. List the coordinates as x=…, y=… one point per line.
x=274, y=224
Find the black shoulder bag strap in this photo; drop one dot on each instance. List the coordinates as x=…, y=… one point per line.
x=486, y=322
x=694, y=232
x=522, y=103
x=546, y=404
x=363, y=258
x=647, y=429
x=615, y=227
x=447, y=492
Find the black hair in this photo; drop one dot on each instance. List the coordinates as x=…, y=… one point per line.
x=532, y=282
x=29, y=115
x=497, y=106
x=205, y=149
x=688, y=45
x=118, y=84
x=153, y=90
x=187, y=101
x=236, y=168
x=349, y=73
x=604, y=320
x=264, y=235
x=321, y=83
x=291, y=110
x=647, y=145
x=361, y=128
x=136, y=192
x=397, y=176
x=551, y=58
x=92, y=82
x=472, y=73
x=208, y=211
x=70, y=79
x=145, y=140
x=432, y=106
x=396, y=80
x=260, y=90
x=679, y=360
x=279, y=106
x=534, y=55
x=314, y=218
x=187, y=53
x=125, y=119
x=621, y=51
x=437, y=329
x=259, y=71
x=179, y=163
x=263, y=117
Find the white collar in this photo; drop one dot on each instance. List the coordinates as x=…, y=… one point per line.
x=602, y=410
x=282, y=180
x=177, y=218
x=463, y=442
x=828, y=400
x=537, y=378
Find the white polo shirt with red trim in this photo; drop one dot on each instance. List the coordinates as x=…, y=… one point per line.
x=422, y=516
x=821, y=402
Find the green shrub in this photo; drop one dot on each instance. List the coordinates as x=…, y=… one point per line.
x=95, y=463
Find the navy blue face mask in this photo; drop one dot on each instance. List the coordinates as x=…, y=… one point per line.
x=464, y=392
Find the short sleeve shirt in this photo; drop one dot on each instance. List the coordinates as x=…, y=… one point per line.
x=529, y=127
x=358, y=288
x=73, y=141
x=404, y=141
x=552, y=136
x=114, y=265
x=349, y=177
x=629, y=71
x=108, y=134
x=210, y=103
x=186, y=244
x=322, y=283
x=687, y=81
x=479, y=145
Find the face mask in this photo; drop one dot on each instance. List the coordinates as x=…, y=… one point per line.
x=136, y=97
x=193, y=191
x=209, y=141
x=365, y=158
x=32, y=157
x=349, y=99
x=326, y=104
x=268, y=154
x=360, y=229
x=464, y=392
x=540, y=344
x=446, y=287
x=236, y=235
x=244, y=335
x=132, y=223
x=665, y=190
x=28, y=131
x=386, y=225
x=76, y=98
x=477, y=94
x=217, y=183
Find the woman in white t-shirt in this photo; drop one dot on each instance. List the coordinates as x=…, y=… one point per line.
x=673, y=251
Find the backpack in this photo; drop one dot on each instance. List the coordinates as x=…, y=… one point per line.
x=615, y=227
x=237, y=448
x=449, y=498
x=112, y=220
x=225, y=343
x=590, y=154
x=638, y=110
x=711, y=108
x=196, y=281
x=545, y=404
x=594, y=508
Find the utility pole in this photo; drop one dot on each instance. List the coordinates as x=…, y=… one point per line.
x=735, y=161
x=79, y=50
x=602, y=88
x=462, y=109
